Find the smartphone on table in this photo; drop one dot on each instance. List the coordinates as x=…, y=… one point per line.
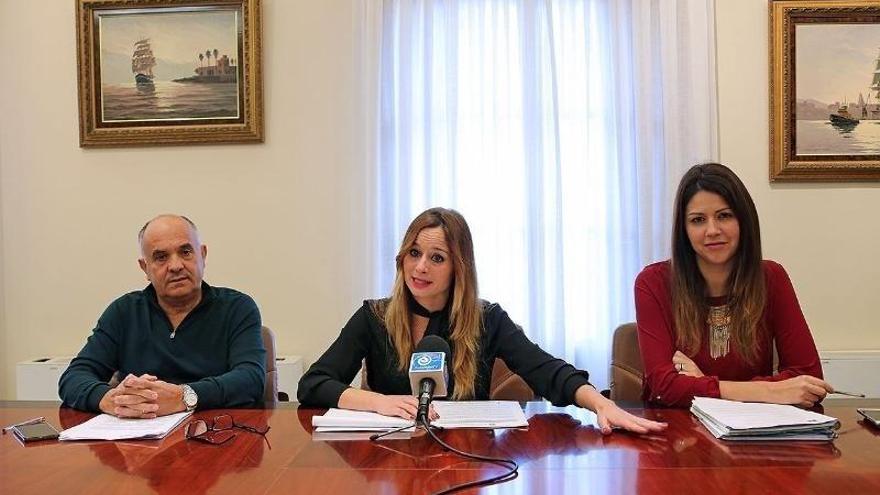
x=871, y=415
x=35, y=432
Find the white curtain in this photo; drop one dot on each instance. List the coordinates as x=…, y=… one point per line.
x=559, y=128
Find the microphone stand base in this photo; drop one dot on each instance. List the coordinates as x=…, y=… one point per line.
x=419, y=424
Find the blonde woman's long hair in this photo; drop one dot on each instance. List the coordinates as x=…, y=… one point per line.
x=746, y=289
x=465, y=314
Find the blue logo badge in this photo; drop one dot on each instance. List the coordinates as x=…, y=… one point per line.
x=426, y=361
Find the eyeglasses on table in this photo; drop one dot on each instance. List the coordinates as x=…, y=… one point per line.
x=218, y=430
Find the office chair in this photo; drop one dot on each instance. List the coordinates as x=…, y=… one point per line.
x=627, y=370
x=270, y=390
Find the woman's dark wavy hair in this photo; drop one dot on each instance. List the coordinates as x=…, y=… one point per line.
x=746, y=290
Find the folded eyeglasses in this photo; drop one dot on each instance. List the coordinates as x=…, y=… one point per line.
x=218, y=430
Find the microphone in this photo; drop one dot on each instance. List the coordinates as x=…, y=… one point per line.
x=428, y=372
x=428, y=377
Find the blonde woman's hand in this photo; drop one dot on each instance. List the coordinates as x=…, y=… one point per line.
x=403, y=406
x=685, y=365
x=610, y=416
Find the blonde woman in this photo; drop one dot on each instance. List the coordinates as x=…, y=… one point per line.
x=435, y=293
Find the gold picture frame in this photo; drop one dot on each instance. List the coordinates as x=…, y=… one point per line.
x=824, y=93
x=169, y=72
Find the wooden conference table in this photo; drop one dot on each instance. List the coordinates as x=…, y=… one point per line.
x=560, y=452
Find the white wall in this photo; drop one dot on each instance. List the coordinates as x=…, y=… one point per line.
x=826, y=235
x=285, y=220
x=282, y=220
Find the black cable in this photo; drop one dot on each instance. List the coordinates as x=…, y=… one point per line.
x=510, y=464
x=395, y=430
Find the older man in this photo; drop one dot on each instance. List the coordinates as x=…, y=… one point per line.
x=180, y=344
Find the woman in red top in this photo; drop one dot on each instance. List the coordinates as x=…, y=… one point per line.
x=708, y=318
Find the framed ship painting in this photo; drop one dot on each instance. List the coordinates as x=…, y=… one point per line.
x=825, y=90
x=159, y=72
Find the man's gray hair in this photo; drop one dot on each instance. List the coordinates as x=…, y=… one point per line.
x=144, y=228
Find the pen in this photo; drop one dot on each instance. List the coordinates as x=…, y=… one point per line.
x=851, y=394
x=23, y=423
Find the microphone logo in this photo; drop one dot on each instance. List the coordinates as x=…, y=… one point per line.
x=426, y=362
x=428, y=365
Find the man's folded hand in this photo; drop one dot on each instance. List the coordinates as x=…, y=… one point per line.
x=143, y=396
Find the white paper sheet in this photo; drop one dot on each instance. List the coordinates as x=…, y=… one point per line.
x=106, y=427
x=453, y=414
x=357, y=420
x=750, y=421
x=480, y=414
x=749, y=415
x=347, y=436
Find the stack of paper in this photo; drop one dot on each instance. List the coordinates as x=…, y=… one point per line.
x=453, y=414
x=346, y=420
x=480, y=414
x=106, y=427
x=731, y=420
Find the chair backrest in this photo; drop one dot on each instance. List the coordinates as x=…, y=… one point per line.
x=364, y=384
x=270, y=390
x=507, y=385
x=627, y=370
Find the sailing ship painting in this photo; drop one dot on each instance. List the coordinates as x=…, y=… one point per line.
x=142, y=62
x=837, y=94
x=170, y=65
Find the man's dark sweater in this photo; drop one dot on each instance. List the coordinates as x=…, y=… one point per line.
x=217, y=350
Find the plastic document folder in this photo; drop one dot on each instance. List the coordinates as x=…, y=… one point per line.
x=453, y=414
x=106, y=427
x=753, y=421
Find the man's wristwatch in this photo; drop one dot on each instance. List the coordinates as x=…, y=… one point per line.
x=190, y=398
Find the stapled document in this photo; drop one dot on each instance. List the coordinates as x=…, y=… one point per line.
x=107, y=427
x=453, y=414
x=732, y=420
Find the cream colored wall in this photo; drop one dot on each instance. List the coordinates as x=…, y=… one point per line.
x=282, y=220
x=285, y=220
x=3, y=345
x=826, y=235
